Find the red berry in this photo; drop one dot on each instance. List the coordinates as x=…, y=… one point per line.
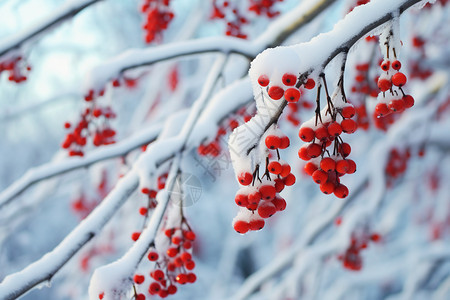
x=398, y=79
x=348, y=112
x=327, y=188
x=285, y=170
x=145, y=191
x=163, y=293
x=267, y=192
x=189, y=234
x=153, y=256
x=328, y=164
x=306, y=134
x=319, y=176
x=321, y=133
x=408, y=100
x=396, y=65
x=309, y=84
x=257, y=224
x=345, y=149
x=139, y=278
x=303, y=153
x=172, y=289
x=351, y=166
x=154, y=288
x=384, y=84
x=135, y=236
x=375, y=237
x=241, y=200
x=397, y=105
x=349, y=126
x=279, y=185
x=272, y=142
x=191, y=277
x=275, y=92
x=385, y=65
x=241, y=226
x=254, y=198
x=186, y=256
x=310, y=168
x=314, y=150
x=342, y=166
x=334, y=129
x=157, y=275
x=67, y=125
x=245, y=178
x=280, y=203
x=266, y=209
x=381, y=109
x=284, y=142
x=172, y=252
x=143, y=211
x=140, y=297
x=101, y=295
x=341, y=191
x=292, y=95
x=289, y=179
x=263, y=80
x=274, y=167
x=289, y=79
x=190, y=265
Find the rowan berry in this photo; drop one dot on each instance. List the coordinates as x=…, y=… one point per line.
x=138, y=279
x=408, y=100
x=267, y=192
x=334, y=129
x=289, y=179
x=257, y=224
x=327, y=188
x=321, y=133
x=241, y=226
x=310, y=168
x=349, y=126
x=272, y=142
x=303, y=153
x=348, y=112
x=245, y=178
x=275, y=92
x=280, y=203
x=135, y=236
x=292, y=95
x=328, y=164
x=263, y=80
x=266, y=209
x=319, y=176
x=314, y=150
x=274, y=167
x=310, y=84
x=284, y=142
x=385, y=65
x=397, y=105
x=384, y=84
x=341, y=191
x=153, y=256
x=381, y=109
x=289, y=79
x=396, y=65
x=241, y=200
x=398, y=79
x=342, y=166
x=306, y=134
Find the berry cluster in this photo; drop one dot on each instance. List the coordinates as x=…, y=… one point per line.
x=351, y=259
x=326, y=168
x=397, y=163
x=261, y=194
x=158, y=17
x=174, y=266
x=264, y=7
x=229, y=11
x=392, y=98
x=418, y=68
x=17, y=69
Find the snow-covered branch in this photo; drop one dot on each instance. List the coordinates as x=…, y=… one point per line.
x=34, y=31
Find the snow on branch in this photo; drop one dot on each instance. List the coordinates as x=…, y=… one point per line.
x=52, y=169
x=45, y=268
x=34, y=31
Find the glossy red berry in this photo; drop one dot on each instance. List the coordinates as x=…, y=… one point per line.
x=135, y=236
x=172, y=290
x=257, y=224
x=191, y=277
x=189, y=265
x=321, y=133
x=280, y=203
x=263, y=80
x=154, y=288
x=284, y=142
x=285, y=170
x=351, y=166
x=342, y=166
x=274, y=167
x=172, y=252
x=310, y=168
x=303, y=153
x=143, y=211
x=327, y=188
x=241, y=200
x=314, y=150
x=272, y=142
x=385, y=65
x=397, y=105
x=381, y=109
x=306, y=134
x=292, y=95
x=349, y=126
x=245, y=178
x=309, y=84
x=140, y=297
x=408, y=100
x=384, y=84
x=157, y=275
x=289, y=79
x=398, y=79
x=319, y=176
x=267, y=192
x=275, y=92
x=345, y=149
x=138, y=279
x=266, y=209
x=241, y=226
x=334, y=129
x=153, y=256
x=348, y=112
x=289, y=179
x=341, y=191
x=189, y=234
x=396, y=65
x=328, y=164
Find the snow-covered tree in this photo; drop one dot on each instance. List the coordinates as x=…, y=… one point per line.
x=225, y=149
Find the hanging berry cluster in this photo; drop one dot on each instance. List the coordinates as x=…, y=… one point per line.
x=158, y=17
x=351, y=259
x=327, y=164
x=392, y=98
x=94, y=123
x=258, y=197
x=16, y=67
x=264, y=7
x=172, y=266
x=235, y=20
